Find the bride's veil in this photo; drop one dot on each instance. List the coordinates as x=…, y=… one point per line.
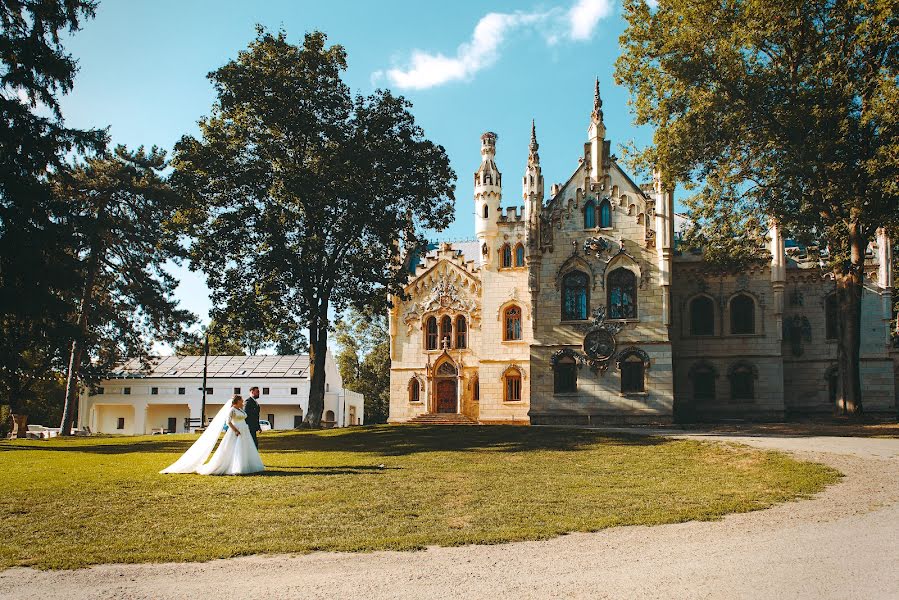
x=197, y=454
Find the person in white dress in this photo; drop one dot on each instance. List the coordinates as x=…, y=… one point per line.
x=236, y=454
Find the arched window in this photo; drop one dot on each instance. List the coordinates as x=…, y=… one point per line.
x=329, y=418
x=742, y=314
x=702, y=316
x=476, y=389
x=414, y=390
x=575, y=298
x=486, y=211
x=431, y=333
x=703, y=377
x=446, y=330
x=512, y=321
x=565, y=375
x=742, y=382
x=507, y=256
x=519, y=255
x=622, y=294
x=512, y=385
x=590, y=214
x=633, y=378
x=831, y=316
x=605, y=214
x=461, y=332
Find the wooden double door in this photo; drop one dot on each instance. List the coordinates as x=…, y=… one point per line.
x=447, y=400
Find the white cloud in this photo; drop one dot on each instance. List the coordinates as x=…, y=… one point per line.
x=426, y=69
x=585, y=15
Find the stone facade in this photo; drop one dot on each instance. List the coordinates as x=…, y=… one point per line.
x=580, y=309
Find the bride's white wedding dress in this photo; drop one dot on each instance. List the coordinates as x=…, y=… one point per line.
x=236, y=454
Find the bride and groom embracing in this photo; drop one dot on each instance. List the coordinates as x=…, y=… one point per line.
x=238, y=454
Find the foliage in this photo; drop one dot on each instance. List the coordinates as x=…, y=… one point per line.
x=303, y=197
x=789, y=108
x=42, y=403
x=364, y=362
x=121, y=210
x=36, y=267
x=373, y=488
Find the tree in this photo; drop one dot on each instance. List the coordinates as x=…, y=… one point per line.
x=122, y=210
x=364, y=361
x=222, y=341
x=305, y=196
x=789, y=108
x=36, y=268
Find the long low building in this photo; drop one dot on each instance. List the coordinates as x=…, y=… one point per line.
x=167, y=394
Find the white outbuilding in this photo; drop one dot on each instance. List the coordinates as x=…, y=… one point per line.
x=167, y=395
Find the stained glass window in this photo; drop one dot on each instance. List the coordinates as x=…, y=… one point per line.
x=513, y=323
x=590, y=214
x=622, y=294
x=574, y=296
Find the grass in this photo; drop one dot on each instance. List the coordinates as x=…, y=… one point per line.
x=74, y=503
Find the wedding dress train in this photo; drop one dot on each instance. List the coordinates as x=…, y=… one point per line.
x=236, y=454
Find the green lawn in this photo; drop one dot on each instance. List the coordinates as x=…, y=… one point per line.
x=79, y=502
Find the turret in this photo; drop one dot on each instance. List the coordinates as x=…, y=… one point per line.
x=532, y=182
x=596, y=135
x=488, y=194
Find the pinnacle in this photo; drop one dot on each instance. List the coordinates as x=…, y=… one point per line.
x=533, y=145
x=597, y=103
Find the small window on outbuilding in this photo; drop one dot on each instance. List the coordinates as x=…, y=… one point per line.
x=120, y=424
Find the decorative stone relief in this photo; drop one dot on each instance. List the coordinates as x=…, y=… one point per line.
x=445, y=295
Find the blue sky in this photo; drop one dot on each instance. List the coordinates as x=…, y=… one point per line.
x=467, y=67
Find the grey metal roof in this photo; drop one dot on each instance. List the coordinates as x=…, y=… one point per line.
x=470, y=249
x=257, y=367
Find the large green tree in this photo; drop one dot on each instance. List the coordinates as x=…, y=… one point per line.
x=786, y=109
x=122, y=211
x=37, y=270
x=363, y=360
x=304, y=196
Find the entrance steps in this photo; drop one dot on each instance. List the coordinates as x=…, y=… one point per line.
x=443, y=419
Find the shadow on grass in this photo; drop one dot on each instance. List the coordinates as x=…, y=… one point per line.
x=282, y=471
x=382, y=440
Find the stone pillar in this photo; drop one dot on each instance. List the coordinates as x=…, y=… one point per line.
x=778, y=274
x=885, y=280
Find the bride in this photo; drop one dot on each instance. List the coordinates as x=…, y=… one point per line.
x=236, y=455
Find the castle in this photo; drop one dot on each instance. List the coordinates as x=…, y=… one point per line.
x=581, y=309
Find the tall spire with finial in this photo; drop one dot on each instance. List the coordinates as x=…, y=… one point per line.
x=533, y=157
x=532, y=182
x=597, y=103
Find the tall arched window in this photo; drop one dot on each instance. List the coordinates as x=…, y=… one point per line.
x=565, y=375
x=414, y=390
x=461, y=332
x=703, y=377
x=702, y=316
x=575, y=297
x=512, y=321
x=431, y=333
x=742, y=382
x=622, y=294
x=506, y=256
x=590, y=214
x=486, y=211
x=476, y=389
x=742, y=314
x=831, y=315
x=605, y=214
x=512, y=385
x=446, y=330
x=519, y=255
x=633, y=376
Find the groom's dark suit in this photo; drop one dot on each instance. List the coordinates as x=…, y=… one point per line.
x=251, y=407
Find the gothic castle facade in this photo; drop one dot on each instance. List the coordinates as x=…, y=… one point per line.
x=580, y=309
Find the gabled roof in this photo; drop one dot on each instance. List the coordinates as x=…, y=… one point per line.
x=260, y=366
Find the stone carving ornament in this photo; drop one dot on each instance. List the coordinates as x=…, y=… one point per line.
x=446, y=296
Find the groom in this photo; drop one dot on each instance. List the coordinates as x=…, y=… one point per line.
x=251, y=407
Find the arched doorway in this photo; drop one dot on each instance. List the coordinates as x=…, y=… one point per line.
x=446, y=382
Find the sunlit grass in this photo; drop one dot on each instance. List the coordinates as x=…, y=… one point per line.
x=79, y=502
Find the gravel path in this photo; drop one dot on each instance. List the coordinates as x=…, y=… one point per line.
x=844, y=543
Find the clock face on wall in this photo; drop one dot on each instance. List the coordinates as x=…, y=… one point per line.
x=599, y=344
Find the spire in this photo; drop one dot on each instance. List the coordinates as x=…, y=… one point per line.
x=533, y=157
x=597, y=103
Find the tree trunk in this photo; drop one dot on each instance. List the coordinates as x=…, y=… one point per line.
x=849, y=300
x=76, y=355
x=318, y=348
